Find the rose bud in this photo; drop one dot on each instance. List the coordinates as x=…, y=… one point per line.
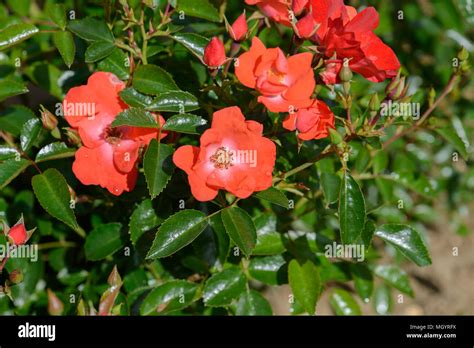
x=238, y=30
x=18, y=234
x=214, y=53
x=306, y=27
x=49, y=121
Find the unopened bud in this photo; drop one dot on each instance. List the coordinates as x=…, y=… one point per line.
x=374, y=103
x=50, y=122
x=55, y=306
x=16, y=276
x=73, y=136
x=336, y=138
x=214, y=53
x=345, y=74
x=463, y=54
x=239, y=29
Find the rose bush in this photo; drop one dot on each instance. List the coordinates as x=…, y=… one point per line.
x=184, y=156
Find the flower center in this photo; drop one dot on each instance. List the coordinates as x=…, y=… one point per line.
x=276, y=74
x=113, y=135
x=222, y=158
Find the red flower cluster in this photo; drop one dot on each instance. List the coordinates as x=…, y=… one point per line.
x=108, y=156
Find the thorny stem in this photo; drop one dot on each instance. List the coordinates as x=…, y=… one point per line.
x=449, y=87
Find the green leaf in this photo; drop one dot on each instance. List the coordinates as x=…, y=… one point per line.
x=7, y=152
x=269, y=242
x=52, y=192
x=117, y=63
x=168, y=297
x=174, y=101
x=54, y=151
x=134, y=98
x=380, y=162
x=343, y=303
x=351, y=210
x=135, y=117
x=455, y=136
x=185, y=123
x=10, y=88
x=158, y=166
x=383, y=300
x=46, y=76
x=270, y=270
x=253, y=303
x=16, y=33
x=14, y=117
x=407, y=240
x=64, y=41
x=176, y=232
x=394, y=276
x=274, y=196
x=10, y=169
x=29, y=134
x=193, y=42
x=330, y=184
x=98, y=50
x=143, y=219
x=151, y=79
x=223, y=287
x=240, y=228
x=200, y=9
x=57, y=13
x=223, y=241
x=91, y=29
x=20, y=7
x=104, y=240
x=305, y=284
x=363, y=280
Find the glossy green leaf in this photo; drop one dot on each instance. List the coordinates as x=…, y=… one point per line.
x=10, y=88
x=30, y=133
x=98, y=50
x=193, y=42
x=176, y=232
x=158, y=166
x=305, y=283
x=54, y=151
x=343, y=303
x=185, y=123
x=330, y=184
x=64, y=41
x=168, y=297
x=223, y=287
x=10, y=169
x=407, y=240
x=135, y=117
x=104, y=240
x=394, y=276
x=174, y=101
x=363, y=280
x=7, y=152
x=143, y=219
x=117, y=63
x=151, y=79
x=134, y=98
x=456, y=136
x=52, y=192
x=351, y=210
x=91, y=29
x=270, y=270
x=240, y=228
x=15, y=34
x=202, y=9
x=57, y=13
x=274, y=196
x=253, y=303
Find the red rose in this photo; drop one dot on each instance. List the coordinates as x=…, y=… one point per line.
x=108, y=156
x=238, y=30
x=344, y=33
x=233, y=156
x=277, y=10
x=283, y=82
x=214, y=53
x=18, y=234
x=306, y=26
x=312, y=123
